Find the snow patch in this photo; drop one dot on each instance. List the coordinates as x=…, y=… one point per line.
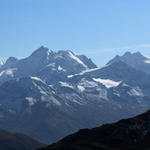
x=55, y=101
x=136, y=92
x=88, y=84
x=83, y=72
x=147, y=61
x=66, y=84
x=125, y=85
x=30, y=100
x=77, y=59
x=145, y=56
x=1, y=63
x=61, y=69
x=50, y=100
x=70, y=76
x=1, y=73
x=36, y=78
x=9, y=72
x=48, y=52
x=107, y=83
x=51, y=65
x=40, y=89
x=81, y=88
x=75, y=101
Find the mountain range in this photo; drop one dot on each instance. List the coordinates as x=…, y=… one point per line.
x=49, y=95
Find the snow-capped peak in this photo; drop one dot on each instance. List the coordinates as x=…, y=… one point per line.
x=84, y=61
x=136, y=60
x=73, y=56
x=128, y=56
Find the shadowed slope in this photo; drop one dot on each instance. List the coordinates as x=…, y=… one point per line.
x=127, y=134
x=16, y=141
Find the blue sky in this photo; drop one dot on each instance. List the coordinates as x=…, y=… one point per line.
x=98, y=28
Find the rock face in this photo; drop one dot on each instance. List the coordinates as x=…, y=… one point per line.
x=49, y=95
x=16, y=141
x=127, y=134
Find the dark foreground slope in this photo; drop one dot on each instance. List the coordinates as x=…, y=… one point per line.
x=15, y=141
x=127, y=134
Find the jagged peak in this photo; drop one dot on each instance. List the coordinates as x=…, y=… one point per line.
x=129, y=56
x=126, y=54
x=42, y=51
x=135, y=54
x=10, y=62
x=138, y=54
x=11, y=59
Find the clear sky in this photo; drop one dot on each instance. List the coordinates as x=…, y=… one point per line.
x=98, y=28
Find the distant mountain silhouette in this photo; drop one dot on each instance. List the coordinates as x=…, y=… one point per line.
x=16, y=141
x=127, y=134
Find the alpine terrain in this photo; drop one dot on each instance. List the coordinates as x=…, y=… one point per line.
x=49, y=95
